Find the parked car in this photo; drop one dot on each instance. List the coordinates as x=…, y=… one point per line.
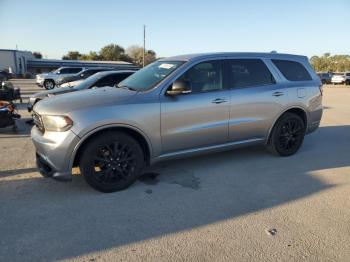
x=341, y=78
x=4, y=75
x=325, y=77
x=73, y=80
x=48, y=80
x=178, y=107
x=106, y=78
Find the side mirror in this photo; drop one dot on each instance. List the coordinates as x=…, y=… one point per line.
x=179, y=87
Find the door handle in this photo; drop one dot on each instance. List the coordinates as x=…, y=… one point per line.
x=278, y=93
x=219, y=101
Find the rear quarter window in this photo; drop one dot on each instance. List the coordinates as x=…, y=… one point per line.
x=292, y=70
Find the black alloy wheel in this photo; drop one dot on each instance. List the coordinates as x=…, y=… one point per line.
x=287, y=135
x=112, y=162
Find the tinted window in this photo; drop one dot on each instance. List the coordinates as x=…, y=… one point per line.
x=291, y=70
x=111, y=80
x=63, y=71
x=117, y=78
x=248, y=72
x=88, y=73
x=203, y=77
x=74, y=70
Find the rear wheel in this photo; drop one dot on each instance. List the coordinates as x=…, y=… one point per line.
x=111, y=162
x=287, y=135
x=49, y=84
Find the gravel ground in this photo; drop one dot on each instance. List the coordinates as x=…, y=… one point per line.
x=243, y=205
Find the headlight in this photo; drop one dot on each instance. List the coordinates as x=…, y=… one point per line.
x=32, y=100
x=57, y=123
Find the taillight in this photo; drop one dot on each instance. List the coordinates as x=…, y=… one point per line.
x=321, y=89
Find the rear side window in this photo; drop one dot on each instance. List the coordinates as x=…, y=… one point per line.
x=292, y=70
x=117, y=78
x=111, y=80
x=249, y=72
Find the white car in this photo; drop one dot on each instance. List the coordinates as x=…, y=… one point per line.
x=341, y=78
x=48, y=80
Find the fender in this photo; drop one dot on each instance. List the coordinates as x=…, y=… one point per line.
x=100, y=128
x=280, y=114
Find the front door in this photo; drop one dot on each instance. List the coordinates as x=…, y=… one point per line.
x=199, y=118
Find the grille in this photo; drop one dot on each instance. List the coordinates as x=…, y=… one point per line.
x=38, y=122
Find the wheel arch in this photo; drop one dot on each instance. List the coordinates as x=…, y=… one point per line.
x=134, y=132
x=294, y=109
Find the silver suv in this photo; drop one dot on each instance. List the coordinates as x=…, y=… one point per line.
x=176, y=107
x=48, y=80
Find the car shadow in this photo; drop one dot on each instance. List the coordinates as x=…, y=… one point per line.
x=65, y=220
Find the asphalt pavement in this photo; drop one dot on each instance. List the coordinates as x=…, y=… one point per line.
x=241, y=205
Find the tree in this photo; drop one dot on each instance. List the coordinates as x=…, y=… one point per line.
x=113, y=52
x=72, y=55
x=90, y=56
x=329, y=63
x=136, y=54
x=37, y=55
x=150, y=57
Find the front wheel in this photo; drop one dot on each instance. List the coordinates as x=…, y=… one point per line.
x=111, y=162
x=287, y=135
x=49, y=84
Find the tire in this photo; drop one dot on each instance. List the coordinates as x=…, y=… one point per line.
x=347, y=82
x=287, y=135
x=49, y=84
x=111, y=162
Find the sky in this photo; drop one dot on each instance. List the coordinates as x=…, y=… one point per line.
x=54, y=27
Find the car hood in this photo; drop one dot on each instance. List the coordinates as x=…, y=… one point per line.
x=45, y=74
x=73, y=83
x=53, y=92
x=65, y=103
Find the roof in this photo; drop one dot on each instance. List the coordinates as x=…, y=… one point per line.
x=78, y=63
x=14, y=50
x=114, y=72
x=189, y=57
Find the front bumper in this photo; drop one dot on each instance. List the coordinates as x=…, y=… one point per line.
x=54, y=152
x=40, y=82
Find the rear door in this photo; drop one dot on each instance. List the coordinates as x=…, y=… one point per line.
x=257, y=98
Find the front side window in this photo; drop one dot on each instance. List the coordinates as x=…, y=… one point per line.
x=292, y=70
x=151, y=75
x=74, y=70
x=248, y=73
x=64, y=71
x=204, y=77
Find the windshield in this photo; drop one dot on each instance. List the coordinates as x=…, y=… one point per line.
x=88, y=82
x=150, y=75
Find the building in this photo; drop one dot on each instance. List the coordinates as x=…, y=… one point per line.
x=15, y=61
x=23, y=62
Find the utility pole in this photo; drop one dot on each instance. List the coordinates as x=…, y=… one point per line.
x=144, y=46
